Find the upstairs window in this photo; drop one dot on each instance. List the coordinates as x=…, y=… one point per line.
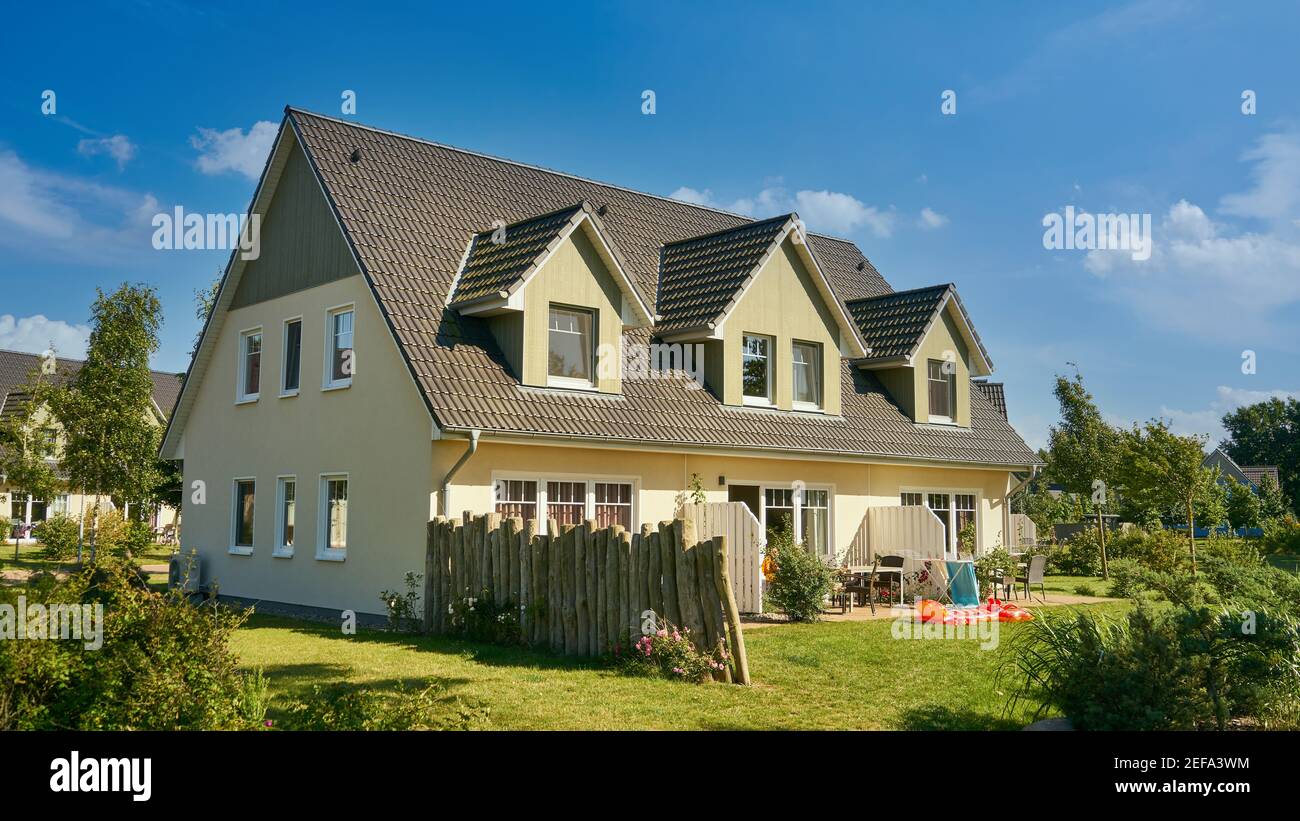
x=339, y=359
x=292, y=368
x=943, y=391
x=757, y=369
x=250, y=364
x=807, y=360
x=571, y=345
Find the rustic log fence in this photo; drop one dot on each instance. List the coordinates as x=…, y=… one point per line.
x=581, y=590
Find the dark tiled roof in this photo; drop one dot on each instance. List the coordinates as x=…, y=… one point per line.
x=498, y=268
x=409, y=208
x=894, y=324
x=994, y=393
x=1227, y=467
x=16, y=369
x=702, y=277
x=1256, y=473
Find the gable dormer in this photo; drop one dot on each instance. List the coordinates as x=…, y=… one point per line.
x=924, y=350
x=772, y=328
x=557, y=297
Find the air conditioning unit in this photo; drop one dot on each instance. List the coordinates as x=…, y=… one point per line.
x=183, y=572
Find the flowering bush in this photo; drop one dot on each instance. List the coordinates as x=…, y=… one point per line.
x=404, y=609
x=668, y=652
x=482, y=619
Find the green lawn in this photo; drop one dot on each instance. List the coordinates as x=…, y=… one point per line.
x=29, y=558
x=816, y=676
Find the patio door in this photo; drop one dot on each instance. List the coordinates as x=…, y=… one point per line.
x=940, y=505
x=751, y=495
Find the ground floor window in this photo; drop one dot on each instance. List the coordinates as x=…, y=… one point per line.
x=335, y=509
x=803, y=512
x=955, y=510
x=245, y=498
x=569, y=501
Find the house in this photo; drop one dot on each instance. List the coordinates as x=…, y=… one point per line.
x=16, y=371
x=430, y=330
x=1251, y=476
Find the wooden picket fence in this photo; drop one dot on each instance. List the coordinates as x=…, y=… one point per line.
x=581, y=590
x=745, y=546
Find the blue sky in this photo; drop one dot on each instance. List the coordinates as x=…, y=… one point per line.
x=833, y=110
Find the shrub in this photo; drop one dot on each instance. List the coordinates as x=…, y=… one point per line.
x=1085, y=590
x=991, y=567
x=164, y=663
x=482, y=619
x=343, y=707
x=405, y=614
x=668, y=652
x=800, y=582
x=1281, y=536
x=58, y=534
x=1079, y=556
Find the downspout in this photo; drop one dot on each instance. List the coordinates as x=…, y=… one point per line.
x=1006, y=505
x=446, y=480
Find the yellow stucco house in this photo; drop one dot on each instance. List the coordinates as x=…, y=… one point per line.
x=427, y=329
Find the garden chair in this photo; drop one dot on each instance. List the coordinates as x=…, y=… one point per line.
x=1034, y=575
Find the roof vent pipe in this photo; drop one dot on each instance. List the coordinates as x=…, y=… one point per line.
x=443, y=504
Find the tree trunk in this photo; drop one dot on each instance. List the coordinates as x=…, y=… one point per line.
x=1191, y=536
x=1101, y=536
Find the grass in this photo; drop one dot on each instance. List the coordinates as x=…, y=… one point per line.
x=29, y=558
x=810, y=676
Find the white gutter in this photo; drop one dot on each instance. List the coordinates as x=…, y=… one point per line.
x=446, y=480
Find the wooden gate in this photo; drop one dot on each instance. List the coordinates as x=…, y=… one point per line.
x=745, y=541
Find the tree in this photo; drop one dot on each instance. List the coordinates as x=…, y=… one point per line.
x=1272, y=504
x=1160, y=469
x=26, y=446
x=205, y=299
x=1243, y=505
x=1268, y=433
x=111, y=444
x=1083, y=450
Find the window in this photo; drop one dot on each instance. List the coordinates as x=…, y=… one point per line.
x=910, y=500
x=340, y=359
x=956, y=510
x=814, y=522
x=47, y=442
x=804, y=512
x=245, y=497
x=60, y=505
x=566, y=502
x=757, y=369
x=517, y=498
x=332, y=542
x=807, y=360
x=778, y=503
x=571, y=347
x=286, y=510
x=964, y=507
x=292, y=368
x=613, y=504
x=943, y=391
x=250, y=364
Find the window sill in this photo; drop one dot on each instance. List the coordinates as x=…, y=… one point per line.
x=808, y=407
x=570, y=384
x=331, y=555
x=240, y=551
x=943, y=420
x=282, y=553
x=336, y=386
x=288, y=394
x=757, y=402
x=247, y=400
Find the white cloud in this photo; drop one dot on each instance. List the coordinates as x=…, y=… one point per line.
x=36, y=334
x=932, y=219
x=121, y=149
x=69, y=217
x=1201, y=268
x=233, y=150
x=1208, y=421
x=828, y=211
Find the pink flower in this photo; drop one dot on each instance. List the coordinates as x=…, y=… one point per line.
x=662, y=632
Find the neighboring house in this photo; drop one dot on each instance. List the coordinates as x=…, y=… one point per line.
x=1250, y=475
x=16, y=370
x=427, y=329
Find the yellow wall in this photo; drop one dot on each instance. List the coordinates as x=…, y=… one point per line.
x=374, y=431
x=943, y=338
x=782, y=302
x=574, y=276
x=661, y=477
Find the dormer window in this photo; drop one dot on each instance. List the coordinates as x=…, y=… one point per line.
x=943, y=391
x=757, y=368
x=571, y=347
x=806, y=358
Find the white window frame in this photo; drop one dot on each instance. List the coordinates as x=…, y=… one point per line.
x=589, y=509
x=570, y=382
x=797, y=521
x=760, y=401
x=237, y=549
x=328, y=382
x=241, y=368
x=284, y=354
x=951, y=382
x=281, y=550
x=951, y=548
x=819, y=368
x=325, y=553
